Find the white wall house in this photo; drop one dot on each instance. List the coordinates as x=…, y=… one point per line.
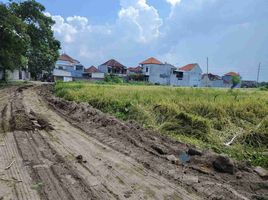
x=67, y=69
x=160, y=73
x=157, y=72
x=113, y=67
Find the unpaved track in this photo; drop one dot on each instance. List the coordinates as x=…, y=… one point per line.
x=41, y=161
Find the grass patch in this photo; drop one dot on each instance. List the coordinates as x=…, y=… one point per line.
x=205, y=117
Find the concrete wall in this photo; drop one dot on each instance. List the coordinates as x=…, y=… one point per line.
x=17, y=75
x=97, y=75
x=158, y=74
x=67, y=79
x=205, y=82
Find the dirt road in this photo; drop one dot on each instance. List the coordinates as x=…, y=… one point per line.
x=52, y=149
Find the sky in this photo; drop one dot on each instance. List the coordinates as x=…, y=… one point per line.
x=233, y=34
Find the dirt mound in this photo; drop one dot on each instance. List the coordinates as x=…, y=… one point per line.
x=196, y=172
x=21, y=120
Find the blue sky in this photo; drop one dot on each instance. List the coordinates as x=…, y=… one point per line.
x=232, y=33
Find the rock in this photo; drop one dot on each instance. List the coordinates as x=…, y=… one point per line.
x=238, y=175
x=158, y=149
x=127, y=194
x=79, y=158
x=173, y=159
x=202, y=169
x=224, y=164
x=261, y=172
x=188, y=179
x=194, y=152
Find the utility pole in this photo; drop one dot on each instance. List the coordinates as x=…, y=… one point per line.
x=258, y=74
x=207, y=72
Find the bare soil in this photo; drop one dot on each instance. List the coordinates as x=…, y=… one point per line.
x=55, y=149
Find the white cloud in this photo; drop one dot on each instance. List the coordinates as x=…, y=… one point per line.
x=140, y=17
x=64, y=30
x=173, y=2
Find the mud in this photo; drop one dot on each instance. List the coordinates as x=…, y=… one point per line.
x=57, y=149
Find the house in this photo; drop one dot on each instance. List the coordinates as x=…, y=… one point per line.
x=211, y=80
x=93, y=73
x=156, y=72
x=68, y=69
x=188, y=75
x=227, y=79
x=113, y=67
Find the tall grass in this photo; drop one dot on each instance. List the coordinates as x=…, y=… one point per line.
x=205, y=117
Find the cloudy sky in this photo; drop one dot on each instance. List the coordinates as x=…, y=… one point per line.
x=233, y=34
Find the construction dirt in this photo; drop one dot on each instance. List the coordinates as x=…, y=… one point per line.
x=55, y=149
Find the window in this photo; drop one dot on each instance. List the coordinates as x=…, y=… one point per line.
x=147, y=69
x=79, y=68
x=61, y=67
x=179, y=75
x=109, y=70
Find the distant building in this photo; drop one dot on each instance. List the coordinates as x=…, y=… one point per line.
x=68, y=69
x=113, y=67
x=211, y=80
x=93, y=73
x=227, y=79
x=249, y=84
x=188, y=75
x=157, y=72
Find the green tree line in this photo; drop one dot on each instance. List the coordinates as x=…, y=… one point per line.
x=26, y=38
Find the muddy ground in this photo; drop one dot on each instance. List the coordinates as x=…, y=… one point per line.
x=55, y=149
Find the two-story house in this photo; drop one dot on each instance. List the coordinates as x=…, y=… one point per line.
x=68, y=69
x=113, y=67
x=157, y=72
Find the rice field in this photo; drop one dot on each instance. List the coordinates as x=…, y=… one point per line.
x=205, y=117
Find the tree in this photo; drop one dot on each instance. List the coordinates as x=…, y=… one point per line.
x=13, y=41
x=44, y=48
x=235, y=81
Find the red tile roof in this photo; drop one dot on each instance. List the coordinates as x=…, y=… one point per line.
x=232, y=74
x=114, y=64
x=68, y=58
x=151, y=61
x=91, y=69
x=135, y=69
x=188, y=67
